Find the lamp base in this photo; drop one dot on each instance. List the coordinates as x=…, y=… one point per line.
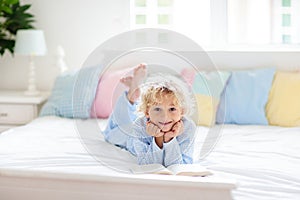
x=31, y=90
x=32, y=93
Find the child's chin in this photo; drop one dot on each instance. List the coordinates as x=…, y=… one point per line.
x=166, y=129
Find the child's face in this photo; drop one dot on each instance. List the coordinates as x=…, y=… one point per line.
x=164, y=114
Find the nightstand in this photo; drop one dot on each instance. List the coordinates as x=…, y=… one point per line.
x=17, y=109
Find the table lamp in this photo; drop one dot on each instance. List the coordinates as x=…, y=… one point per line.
x=30, y=43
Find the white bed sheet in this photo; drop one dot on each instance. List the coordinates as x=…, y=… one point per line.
x=264, y=160
x=57, y=145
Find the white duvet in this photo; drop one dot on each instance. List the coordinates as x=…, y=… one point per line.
x=264, y=160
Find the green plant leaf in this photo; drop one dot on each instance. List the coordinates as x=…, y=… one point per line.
x=24, y=8
x=6, y=44
x=13, y=16
x=6, y=9
x=11, y=2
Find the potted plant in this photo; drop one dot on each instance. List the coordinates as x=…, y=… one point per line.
x=13, y=16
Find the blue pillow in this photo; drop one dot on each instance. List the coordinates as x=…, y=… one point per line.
x=244, y=99
x=73, y=94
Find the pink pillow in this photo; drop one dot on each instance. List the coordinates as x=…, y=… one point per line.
x=188, y=75
x=108, y=91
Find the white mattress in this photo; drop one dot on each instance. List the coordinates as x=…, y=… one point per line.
x=62, y=145
x=264, y=160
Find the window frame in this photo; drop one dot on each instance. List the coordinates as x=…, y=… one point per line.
x=219, y=31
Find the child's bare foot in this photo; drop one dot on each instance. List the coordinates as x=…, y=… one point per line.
x=139, y=75
x=126, y=80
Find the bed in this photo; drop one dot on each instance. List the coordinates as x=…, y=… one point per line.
x=252, y=148
x=60, y=158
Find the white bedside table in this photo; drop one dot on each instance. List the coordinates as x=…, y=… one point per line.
x=17, y=109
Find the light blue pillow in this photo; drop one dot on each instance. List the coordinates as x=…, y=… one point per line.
x=210, y=83
x=244, y=99
x=73, y=94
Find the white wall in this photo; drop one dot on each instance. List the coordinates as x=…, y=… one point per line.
x=280, y=59
x=80, y=26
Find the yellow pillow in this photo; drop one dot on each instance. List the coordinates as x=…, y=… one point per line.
x=207, y=87
x=206, y=110
x=283, y=107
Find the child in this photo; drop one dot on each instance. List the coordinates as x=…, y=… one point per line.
x=163, y=134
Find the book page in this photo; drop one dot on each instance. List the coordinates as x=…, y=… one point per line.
x=189, y=170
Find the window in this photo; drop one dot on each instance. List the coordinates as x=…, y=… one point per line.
x=263, y=21
x=219, y=23
x=286, y=21
x=189, y=17
x=151, y=13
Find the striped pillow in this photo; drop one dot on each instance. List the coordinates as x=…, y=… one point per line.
x=73, y=94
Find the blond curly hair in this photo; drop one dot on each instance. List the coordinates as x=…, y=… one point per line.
x=159, y=86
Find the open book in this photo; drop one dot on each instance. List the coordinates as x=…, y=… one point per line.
x=177, y=169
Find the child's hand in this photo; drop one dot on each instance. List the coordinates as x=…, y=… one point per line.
x=156, y=132
x=153, y=130
x=176, y=130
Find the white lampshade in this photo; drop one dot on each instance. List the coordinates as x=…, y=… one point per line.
x=30, y=42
